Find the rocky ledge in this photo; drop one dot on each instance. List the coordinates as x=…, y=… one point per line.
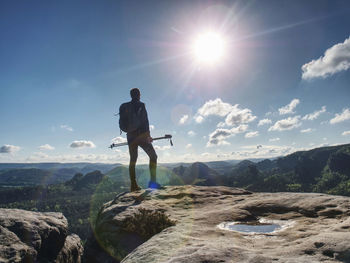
x=27, y=236
x=180, y=224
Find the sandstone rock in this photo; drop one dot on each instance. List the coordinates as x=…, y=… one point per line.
x=318, y=232
x=36, y=237
x=72, y=250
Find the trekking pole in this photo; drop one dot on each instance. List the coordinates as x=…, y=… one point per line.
x=166, y=136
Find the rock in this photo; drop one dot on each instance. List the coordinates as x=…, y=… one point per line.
x=318, y=227
x=36, y=237
x=72, y=250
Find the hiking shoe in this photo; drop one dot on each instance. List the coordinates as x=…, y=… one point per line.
x=154, y=185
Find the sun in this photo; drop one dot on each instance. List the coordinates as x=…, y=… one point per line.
x=209, y=48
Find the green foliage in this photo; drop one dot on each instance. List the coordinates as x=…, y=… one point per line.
x=294, y=187
x=79, y=206
x=340, y=162
x=342, y=188
x=248, y=177
x=80, y=198
x=332, y=181
x=325, y=170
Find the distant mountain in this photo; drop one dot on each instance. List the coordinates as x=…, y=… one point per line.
x=266, y=164
x=221, y=166
x=243, y=164
x=198, y=174
x=80, y=181
x=325, y=169
x=80, y=167
x=24, y=177
x=34, y=176
x=27, y=174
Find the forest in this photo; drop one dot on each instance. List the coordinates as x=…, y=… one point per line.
x=321, y=170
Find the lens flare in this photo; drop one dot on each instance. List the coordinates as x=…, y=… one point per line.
x=209, y=47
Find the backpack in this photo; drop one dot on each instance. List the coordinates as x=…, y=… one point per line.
x=129, y=119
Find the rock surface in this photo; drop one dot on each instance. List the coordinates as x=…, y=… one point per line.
x=319, y=226
x=27, y=236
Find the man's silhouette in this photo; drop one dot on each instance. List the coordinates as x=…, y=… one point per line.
x=141, y=137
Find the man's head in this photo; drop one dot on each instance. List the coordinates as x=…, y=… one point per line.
x=135, y=93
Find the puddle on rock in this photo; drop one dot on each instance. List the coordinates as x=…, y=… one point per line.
x=262, y=226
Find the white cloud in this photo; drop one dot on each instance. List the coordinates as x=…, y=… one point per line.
x=47, y=147
x=82, y=144
x=66, y=127
x=307, y=130
x=288, y=109
x=340, y=117
x=265, y=151
x=191, y=133
x=7, y=148
x=183, y=119
x=151, y=127
x=219, y=136
x=264, y=121
x=188, y=146
x=71, y=158
x=251, y=134
x=221, y=124
x=240, y=129
x=315, y=114
x=162, y=148
x=234, y=115
x=346, y=133
x=217, y=142
x=274, y=139
x=239, y=116
x=214, y=107
x=119, y=139
x=335, y=59
x=199, y=119
x=39, y=155
x=286, y=124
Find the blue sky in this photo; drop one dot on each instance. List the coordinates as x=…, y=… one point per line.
x=66, y=66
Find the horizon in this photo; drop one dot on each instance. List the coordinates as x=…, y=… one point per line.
x=280, y=84
x=183, y=162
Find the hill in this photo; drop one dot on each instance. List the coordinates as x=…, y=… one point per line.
x=197, y=174
x=325, y=169
x=30, y=174
x=81, y=167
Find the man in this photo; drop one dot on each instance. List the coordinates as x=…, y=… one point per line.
x=141, y=137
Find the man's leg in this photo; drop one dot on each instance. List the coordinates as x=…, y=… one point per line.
x=133, y=158
x=148, y=148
